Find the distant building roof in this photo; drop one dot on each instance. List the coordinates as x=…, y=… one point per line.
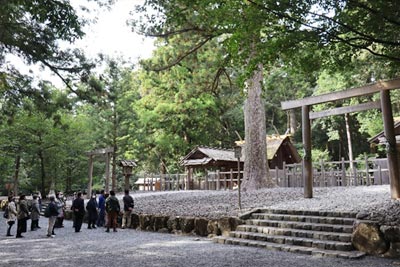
x=381, y=138
x=279, y=148
x=127, y=163
x=201, y=156
x=274, y=142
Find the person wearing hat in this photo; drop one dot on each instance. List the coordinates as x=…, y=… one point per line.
x=22, y=216
x=35, y=213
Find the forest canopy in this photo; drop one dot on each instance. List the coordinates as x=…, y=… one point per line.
x=211, y=58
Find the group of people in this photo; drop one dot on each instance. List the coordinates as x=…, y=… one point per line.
x=103, y=212
x=107, y=207
x=21, y=213
x=23, y=210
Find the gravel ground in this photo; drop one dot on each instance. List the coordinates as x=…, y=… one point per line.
x=132, y=248
x=215, y=204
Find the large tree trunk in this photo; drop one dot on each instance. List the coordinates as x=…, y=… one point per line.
x=42, y=174
x=16, y=175
x=114, y=154
x=255, y=165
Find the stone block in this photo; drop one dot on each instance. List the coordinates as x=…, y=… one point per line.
x=212, y=228
x=186, y=224
x=391, y=233
x=227, y=224
x=369, y=239
x=145, y=221
x=201, y=226
x=160, y=222
x=173, y=224
x=135, y=223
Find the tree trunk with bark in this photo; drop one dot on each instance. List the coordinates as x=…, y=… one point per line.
x=255, y=165
x=16, y=175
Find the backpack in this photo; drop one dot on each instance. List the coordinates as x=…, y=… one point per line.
x=112, y=205
x=5, y=215
x=47, y=211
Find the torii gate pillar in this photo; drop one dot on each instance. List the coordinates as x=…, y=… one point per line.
x=307, y=160
x=391, y=149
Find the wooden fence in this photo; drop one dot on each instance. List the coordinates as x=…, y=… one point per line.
x=370, y=171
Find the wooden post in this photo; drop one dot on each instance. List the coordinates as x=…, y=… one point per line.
x=231, y=184
x=322, y=176
x=107, y=186
x=307, y=161
x=344, y=173
x=379, y=175
x=218, y=181
x=127, y=185
x=224, y=181
x=206, y=182
x=239, y=197
x=391, y=150
x=89, y=193
x=367, y=179
x=285, y=179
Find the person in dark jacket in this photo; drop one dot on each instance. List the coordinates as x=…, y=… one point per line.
x=78, y=207
x=91, y=208
x=113, y=209
x=128, y=207
x=52, y=213
x=22, y=216
x=35, y=213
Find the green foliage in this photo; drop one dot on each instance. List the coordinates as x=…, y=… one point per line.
x=180, y=108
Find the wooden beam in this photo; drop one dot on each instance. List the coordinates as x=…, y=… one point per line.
x=354, y=92
x=345, y=110
x=100, y=151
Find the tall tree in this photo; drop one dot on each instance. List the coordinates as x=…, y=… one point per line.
x=250, y=38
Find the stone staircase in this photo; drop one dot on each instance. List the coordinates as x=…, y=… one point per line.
x=309, y=232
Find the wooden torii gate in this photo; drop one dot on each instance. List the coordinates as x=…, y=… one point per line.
x=103, y=151
x=382, y=87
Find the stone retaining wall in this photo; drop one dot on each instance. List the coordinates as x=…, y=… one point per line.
x=180, y=225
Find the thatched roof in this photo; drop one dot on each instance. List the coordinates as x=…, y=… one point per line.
x=274, y=142
x=201, y=156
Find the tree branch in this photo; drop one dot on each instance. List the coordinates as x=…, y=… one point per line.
x=184, y=55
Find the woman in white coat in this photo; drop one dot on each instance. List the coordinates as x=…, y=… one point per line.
x=12, y=214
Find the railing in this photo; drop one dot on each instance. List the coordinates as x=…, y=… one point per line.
x=370, y=171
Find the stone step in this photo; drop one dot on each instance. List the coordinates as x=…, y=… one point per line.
x=342, y=214
x=342, y=237
x=303, y=218
x=302, y=225
x=289, y=248
x=298, y=241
